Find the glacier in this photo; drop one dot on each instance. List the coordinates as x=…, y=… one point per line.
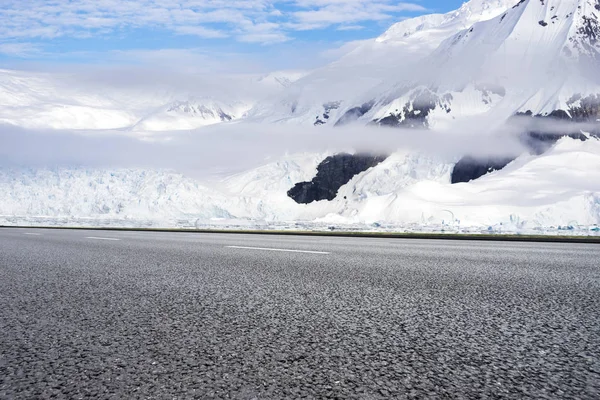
x=408, y=191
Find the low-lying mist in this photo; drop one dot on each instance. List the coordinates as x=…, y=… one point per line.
x=229, y=148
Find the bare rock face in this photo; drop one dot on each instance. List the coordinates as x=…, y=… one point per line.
x=415, y=112
x=334, y=172
x=580, y=110
x=327, y=108
x=354, y=113
x=471, y=168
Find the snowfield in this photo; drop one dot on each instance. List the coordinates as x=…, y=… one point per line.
x=406, y=192
x=75, y=101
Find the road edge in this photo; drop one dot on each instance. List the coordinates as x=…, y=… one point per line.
x=382, y=235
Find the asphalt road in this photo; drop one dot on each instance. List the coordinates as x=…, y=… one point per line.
x=100, y=314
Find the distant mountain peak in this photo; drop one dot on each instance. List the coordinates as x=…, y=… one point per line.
x=431, y=25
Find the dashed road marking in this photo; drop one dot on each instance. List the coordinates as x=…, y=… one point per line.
x=101, y=238
x=281, y=250
x=32, y=234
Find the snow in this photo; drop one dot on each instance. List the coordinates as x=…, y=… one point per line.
x=101, y=193
x=491, y=68
x=498, y=43
x=560, y=187
x=191, y=114
x=372, y=67
x=432, y=29
x=408, y=191
x=38, y=100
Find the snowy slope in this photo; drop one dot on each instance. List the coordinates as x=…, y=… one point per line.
x=120, y=193
x=76, y=101
x=538, y=56
x=42, y=100
x=494, y=58
x=432, y=29
x=192, y=114
x=407, y=191
x=359, y=76
x=561, y=187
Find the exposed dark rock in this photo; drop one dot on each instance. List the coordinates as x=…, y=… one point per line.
x=327, y=107
x=581, y=110
x=584, y=109
x=587, y=37
x=334, y=172
x=415, y=112
x=392, y=120
x=354, y=113
x=488, y=89
x=519, y=3
x=470, y=168
x=224, y=117
x=590, y=29
x=201, y=110
x=540, y=142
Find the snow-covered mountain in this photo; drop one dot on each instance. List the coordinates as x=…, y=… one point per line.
x=75, y=101
x=355, y=80
x=431, y=29
x=191, y=114
x=538, y=57
x=497, y=58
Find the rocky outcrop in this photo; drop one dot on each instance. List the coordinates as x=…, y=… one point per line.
x=415, y=112
x=334, y=172
x=581, y=110
x=327, y=108
x=354, y=114
x=471, y=168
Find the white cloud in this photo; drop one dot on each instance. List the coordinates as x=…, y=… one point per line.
x=200, y=31
x=350, y=28
x=338, y=52
x=264, y=38
x=18, y=49
x=262, y=21
x=330, y=12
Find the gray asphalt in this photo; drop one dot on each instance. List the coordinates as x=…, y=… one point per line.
x=179, y=315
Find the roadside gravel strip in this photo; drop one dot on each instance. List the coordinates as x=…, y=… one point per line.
x=178, y=315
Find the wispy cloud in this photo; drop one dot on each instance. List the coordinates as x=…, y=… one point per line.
x=18, y=49
x=256, y=21
x=226, y=147
x=200, y=31
x=350, y=28
x=325, y=13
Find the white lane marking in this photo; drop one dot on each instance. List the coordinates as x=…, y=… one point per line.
x=282, y=250
x=32, y=234
x=100, y=238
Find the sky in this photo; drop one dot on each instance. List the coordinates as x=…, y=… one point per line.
x=265, y=34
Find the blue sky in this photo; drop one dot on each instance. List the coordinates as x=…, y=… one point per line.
x=263, y=32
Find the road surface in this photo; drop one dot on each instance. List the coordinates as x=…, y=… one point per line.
x=104, y=314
